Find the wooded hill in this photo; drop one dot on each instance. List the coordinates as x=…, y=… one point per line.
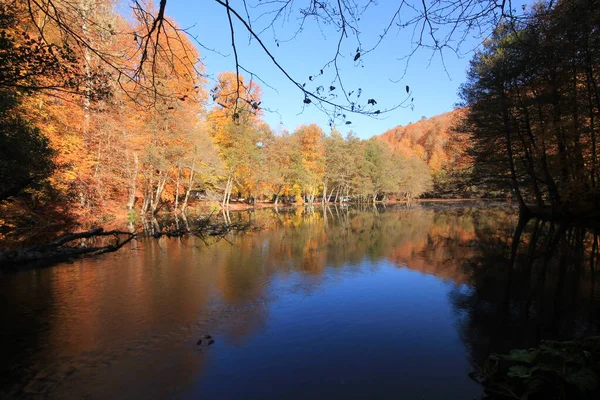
x=443, y=148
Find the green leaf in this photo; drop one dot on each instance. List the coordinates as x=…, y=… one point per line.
x=550, y=368
x=585, y=380
x=520, y=355
x=520, y=371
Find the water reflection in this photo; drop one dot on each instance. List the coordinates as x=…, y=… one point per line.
x=538, y=283
x=322, y=301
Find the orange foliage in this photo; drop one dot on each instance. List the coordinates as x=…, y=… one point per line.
x=313, y=152
x=100, y=142
x=233, y=103
x=432, y=140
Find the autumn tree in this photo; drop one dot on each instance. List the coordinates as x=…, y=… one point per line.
x=235, y=126
x=533, y=106
x=412, y=177
x=41, y=60
x=200, y=168
x=35, y=63
x=312, y=149
x=283, y=167
x=377, y=170
x=172, y=128
x=339, y=165
x=20, y=143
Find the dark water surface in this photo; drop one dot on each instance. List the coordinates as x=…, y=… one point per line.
x=346, y=303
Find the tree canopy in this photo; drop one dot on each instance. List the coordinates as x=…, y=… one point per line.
x=532, y=98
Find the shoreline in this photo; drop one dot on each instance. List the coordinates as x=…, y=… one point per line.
x=123, y=220
x=263, y=205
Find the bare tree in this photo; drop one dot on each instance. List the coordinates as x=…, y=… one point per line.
x=439, y=26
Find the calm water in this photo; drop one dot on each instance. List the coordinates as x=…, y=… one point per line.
x=395, y=303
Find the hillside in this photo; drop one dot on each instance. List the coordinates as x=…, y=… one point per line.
x=431, y=139
x=443, y=149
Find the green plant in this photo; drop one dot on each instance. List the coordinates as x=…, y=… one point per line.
x=106, y=218
x=132, y=216
x=553, y=370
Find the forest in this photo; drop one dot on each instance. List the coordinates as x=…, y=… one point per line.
x=107, y=148
x=533, y=100
x=100, y=121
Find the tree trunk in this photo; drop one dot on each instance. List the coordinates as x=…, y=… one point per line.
x=229, y=192
x=509, y=151
x=226, y=194
x=559, y=132
x=330, y=194
x=85, y=10
x=162, y=181
x=148, y=191
x=189, y=188
x=530, y=149
x=591, y=90
x=550, y=182
x=177, y=189
x=277, y=194
x=133, y=182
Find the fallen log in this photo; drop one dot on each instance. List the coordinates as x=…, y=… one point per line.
x=81, y=235
x=201, y=228
x=59, y=249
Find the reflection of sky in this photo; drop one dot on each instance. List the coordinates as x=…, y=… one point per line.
x=332, y=313
x=378, y=305
x=371, y=329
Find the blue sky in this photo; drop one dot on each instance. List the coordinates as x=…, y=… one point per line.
x=433, y=88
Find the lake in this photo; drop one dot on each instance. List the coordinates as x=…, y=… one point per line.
x=395, y=302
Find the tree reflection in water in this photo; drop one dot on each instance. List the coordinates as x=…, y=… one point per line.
x=511, y=285
x=527, y=280
x=538, y=283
